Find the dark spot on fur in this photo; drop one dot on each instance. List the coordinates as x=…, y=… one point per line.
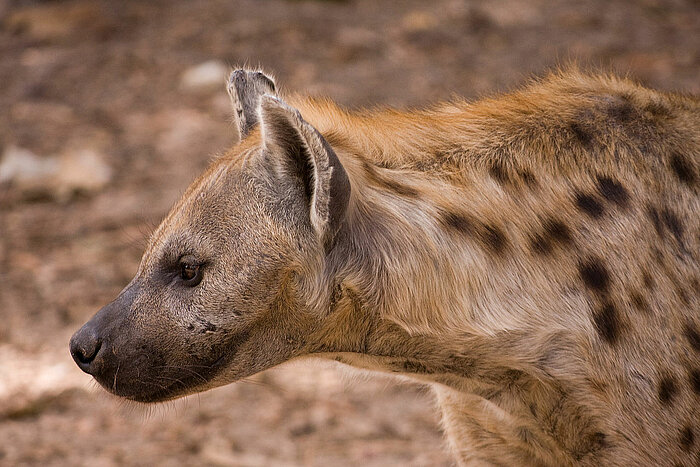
x=528, y=177
x=589, y=204
x=687, y=438
x=607, y=322
x=695, y=285
x=541, y=245
x=613, y=191
x=388, y=184
x=598, y=440
x=498, y=172
x=494, y=238
x=683, y=169
x=657, y=109
x=553, y=232
x=401, y=189
x=655, y=217
x=458, y=222
x=693, y=336
x=590, y=443
x=667, y=389
x=648, y=280
x=582, y=134
x=595, y=275
x=558, y=231
x=621, y=109
x=639, y=301
x=694, y=377
x=673, y=223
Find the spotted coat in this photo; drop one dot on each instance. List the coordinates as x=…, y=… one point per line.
x=533, y=257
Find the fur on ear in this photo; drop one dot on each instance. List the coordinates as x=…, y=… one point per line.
x=245, y=87
x=287, y=135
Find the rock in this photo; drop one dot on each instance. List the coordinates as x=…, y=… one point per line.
x=183, y=131
x=56, y=177
x=205, y=76
x=32, y=382
x=22, y=167
x=419, y=21
x=83, y=171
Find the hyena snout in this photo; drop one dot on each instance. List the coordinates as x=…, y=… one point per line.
x=92, y=346
x=134, y=351
x=109, y=347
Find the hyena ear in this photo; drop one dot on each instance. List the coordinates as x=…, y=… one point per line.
x=307, y=155
x=245, y=89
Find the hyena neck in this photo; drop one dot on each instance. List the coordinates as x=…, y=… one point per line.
x=451, y=254
x=412, y=296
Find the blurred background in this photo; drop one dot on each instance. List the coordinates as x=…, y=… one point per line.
x=108, y=109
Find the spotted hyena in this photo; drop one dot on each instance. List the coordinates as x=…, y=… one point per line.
x=533, y=257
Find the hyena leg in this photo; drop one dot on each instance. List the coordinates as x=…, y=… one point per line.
x=245, y=88
x=479, y=433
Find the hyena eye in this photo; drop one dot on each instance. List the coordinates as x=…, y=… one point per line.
x=190, y=272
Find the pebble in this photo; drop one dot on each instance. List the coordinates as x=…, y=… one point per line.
x=56, y=177
x=208, y=75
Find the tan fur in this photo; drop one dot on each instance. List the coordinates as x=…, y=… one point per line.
x=533, y=257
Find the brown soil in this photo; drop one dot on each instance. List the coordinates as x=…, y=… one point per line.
x=106, y=76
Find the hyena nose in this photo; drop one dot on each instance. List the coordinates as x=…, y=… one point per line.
x=84, y=347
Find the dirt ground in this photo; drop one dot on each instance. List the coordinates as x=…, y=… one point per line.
x=100, y=87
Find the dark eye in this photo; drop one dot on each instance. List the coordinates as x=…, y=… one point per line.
x=190, y=272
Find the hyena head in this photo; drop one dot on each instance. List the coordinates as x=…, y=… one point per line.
x=219, y=292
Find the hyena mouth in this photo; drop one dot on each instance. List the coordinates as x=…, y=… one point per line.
x=171, y=381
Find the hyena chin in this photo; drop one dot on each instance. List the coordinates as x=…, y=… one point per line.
x=533, y=257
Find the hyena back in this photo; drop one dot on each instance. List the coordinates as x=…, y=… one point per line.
x=533, y=257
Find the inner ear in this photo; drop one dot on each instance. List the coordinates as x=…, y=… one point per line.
x=304, y=168
x=282, y=137
x=303, y=152
x=302, y=165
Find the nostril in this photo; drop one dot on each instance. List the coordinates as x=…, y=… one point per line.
x=88, y=355
x=84, y=349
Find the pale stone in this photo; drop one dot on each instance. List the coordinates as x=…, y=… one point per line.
x=59, y=177
x=207, y=75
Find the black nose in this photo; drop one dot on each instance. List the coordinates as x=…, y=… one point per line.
x=84, y=347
